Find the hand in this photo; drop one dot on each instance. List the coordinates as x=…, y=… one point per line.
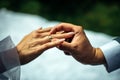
x=35, y=43
x=79, y=46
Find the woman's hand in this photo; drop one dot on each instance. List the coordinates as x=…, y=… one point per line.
x=35, y=43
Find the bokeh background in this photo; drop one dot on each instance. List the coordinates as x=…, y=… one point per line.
x=96, y=15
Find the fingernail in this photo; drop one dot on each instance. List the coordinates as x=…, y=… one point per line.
x=60, y=40
x=71, y=33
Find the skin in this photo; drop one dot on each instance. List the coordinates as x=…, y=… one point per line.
x=35, y=43
x=79, y=46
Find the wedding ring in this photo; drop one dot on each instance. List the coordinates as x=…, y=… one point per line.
x=50, y=38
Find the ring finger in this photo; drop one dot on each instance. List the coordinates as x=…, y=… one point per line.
x=64, y=35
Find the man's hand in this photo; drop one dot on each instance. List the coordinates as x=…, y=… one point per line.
x=79, y=46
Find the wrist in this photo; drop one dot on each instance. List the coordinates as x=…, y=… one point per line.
x=19, y=53
x=99, y=57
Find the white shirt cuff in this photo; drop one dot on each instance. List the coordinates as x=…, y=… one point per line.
x=111, y=52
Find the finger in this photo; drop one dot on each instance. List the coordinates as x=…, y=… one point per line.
x=65, y=46
x=64, y=35
x=50, y=44
x=60, y=32
x=60, y=27
x=65, y=52
x=44, y=30
x=41, y=35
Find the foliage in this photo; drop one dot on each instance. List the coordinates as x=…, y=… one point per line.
x=96, y=15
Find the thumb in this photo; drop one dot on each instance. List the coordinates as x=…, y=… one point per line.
x=65, y=46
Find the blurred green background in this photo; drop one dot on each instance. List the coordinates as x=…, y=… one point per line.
x=96, y=15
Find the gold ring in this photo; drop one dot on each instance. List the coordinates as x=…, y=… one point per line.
x=50, y=38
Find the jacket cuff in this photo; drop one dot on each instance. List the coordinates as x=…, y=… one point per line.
x=9, y=60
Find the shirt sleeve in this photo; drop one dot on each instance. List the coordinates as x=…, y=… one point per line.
x=111, y=52
x=9, y=60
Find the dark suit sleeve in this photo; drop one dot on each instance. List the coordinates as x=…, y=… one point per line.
x=117, y=39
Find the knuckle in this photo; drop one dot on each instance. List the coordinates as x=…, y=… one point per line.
x=75, y=46
x=81, y=28
x=35, y=34
x=62, y=24
x=46, y=46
